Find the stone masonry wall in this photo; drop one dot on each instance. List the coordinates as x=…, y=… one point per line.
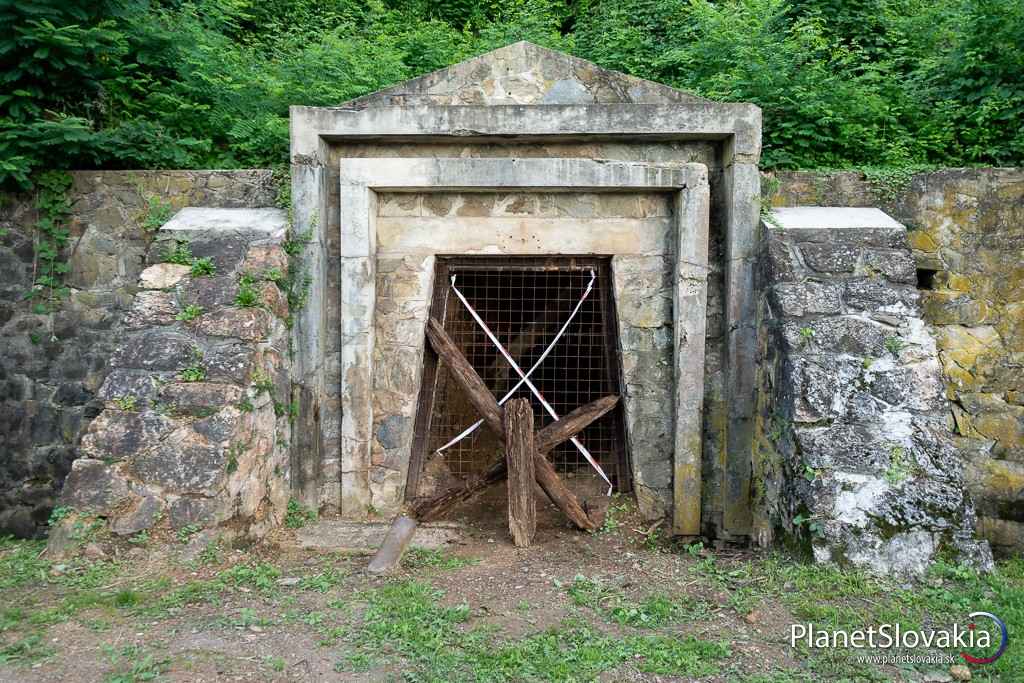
x=854, y=444
x=195, y=426
x=53, y=365
x=967, y=234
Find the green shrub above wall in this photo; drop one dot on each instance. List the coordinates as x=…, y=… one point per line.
x=207, y=83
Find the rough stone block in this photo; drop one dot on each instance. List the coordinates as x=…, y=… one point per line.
x=184, y=463
x=847, y=334
x=264, y=258
x=151, y=308
x=248, y=324
x=896, y=265
x=116, y=434
x=831, y=258
x=199, y=398
x=797, y=299
x=209, y=293
x=140, y=515
x=94, y=486
x=155, y=349
x=163, y=275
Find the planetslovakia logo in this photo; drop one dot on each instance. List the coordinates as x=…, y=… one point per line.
x=1005, y=639
x=956, y=639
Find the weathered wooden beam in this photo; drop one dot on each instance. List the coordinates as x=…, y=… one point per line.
x=429, y=509
x=395, y=542
x=572, y=424
x=519, y=455
x=464, y=374
x=561, y=496
x=547, y=438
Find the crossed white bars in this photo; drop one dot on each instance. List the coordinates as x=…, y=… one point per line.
x=524, y=378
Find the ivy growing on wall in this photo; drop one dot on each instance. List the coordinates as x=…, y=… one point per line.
x=51, y=240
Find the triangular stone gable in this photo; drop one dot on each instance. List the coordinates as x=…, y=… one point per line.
x=524, y=73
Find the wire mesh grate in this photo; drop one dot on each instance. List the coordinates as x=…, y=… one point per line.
x=525, y=306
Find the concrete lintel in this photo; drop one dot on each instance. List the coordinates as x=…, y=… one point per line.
x=677, y=121
x=573, y=175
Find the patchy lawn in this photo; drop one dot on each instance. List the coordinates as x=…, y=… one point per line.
x=620, y=605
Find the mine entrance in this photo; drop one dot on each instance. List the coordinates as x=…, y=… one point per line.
x=525, y=302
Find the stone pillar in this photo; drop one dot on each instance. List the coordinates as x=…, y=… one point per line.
x=196, y=426
x=856, y=452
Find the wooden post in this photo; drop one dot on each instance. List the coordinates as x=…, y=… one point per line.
x=482, y=399
x=519, y=455
x=547, y=438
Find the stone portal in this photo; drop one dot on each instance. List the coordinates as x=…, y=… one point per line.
x=529, y=152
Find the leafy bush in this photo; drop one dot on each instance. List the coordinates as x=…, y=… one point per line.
x=207, y=83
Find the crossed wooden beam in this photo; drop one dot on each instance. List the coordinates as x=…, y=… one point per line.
x=523, y=462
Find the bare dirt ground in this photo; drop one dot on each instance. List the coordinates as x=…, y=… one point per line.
x=619, y=605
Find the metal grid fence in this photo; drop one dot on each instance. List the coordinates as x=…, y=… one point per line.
x=525, y=305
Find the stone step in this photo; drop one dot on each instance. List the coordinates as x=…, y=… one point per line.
x=347, y=536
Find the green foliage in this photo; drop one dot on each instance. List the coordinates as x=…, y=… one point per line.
x=296, y=515
x=260, y=576
x=190, y=312
x=207, y=84
x=51, y=238
x=20, y=561
x=186, y=532
x=893, y=345
x=193, y=373
x=59, y=514
x=262, y=382
x=248, y=296
x=410, y=620
x=203, y=267
x=126, y=403
x=422, y=558
x=158, y=212
x=899, y=469
x=179, y=253
x=133, y=664
x=653, y=611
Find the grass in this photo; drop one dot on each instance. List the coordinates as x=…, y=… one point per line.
x=248, y=296
x=408, y=619
x=190, y=312
x=133, y=663
x=423, y=558
x=203, y=267
x=411, y=626
x=653, y=611
x=192, y=373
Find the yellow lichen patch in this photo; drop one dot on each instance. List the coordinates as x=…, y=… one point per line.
x=1003, y=480
x=1011, y=327
x=959, y=283
x=962, y=345
x=922, y=241
x=1007, y=428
